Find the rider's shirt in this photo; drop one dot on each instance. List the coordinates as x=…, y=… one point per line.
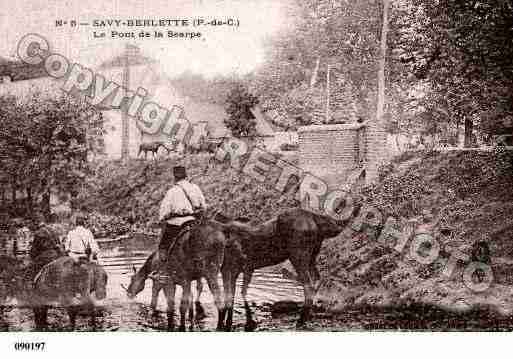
x=176, y=204
x=78, y=240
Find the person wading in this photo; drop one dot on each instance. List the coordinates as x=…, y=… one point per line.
x=181, y=206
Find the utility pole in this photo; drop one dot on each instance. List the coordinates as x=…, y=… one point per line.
x=125, y=134
x=376, y=150
x=328, y=94
x=382, y=61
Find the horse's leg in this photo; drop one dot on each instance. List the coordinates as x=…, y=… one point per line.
x=200, y=312
x=184, y=303
x=72, y=313
x=229, y=283
x=301, y=264
x=155, y=289
x=215, y=289
x=191, y=312
x=93, y=322
x=314, y=272
x=246, y=280
x=40, y=317
x=169, y=292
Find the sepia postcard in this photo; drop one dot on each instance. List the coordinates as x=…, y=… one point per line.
x=258, y=165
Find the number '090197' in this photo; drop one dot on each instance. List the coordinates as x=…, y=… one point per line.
x=29, y=346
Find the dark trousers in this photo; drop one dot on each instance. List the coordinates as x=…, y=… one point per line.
x=167, y=239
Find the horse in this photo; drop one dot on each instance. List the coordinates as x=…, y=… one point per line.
x=138, y=280
x=204, y=241
x=152, y=147
x=64, y=283
x=296, y=235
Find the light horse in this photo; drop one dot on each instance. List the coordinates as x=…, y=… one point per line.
x=152, y=147
x=296, y=235
x=159, y=284
x=63, y=283
x=206, y=242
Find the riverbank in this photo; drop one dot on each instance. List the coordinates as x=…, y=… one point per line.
x=458, y=198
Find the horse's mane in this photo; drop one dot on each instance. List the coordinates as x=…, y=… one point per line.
x=224, y=219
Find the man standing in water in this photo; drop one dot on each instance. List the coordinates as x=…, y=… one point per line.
x=180, y=206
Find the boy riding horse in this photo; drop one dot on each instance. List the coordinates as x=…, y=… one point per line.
x=182, y=205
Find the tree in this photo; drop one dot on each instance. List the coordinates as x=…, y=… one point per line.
x=45, y=142
x=461, y=51
x=344, y=34
x=239, y=103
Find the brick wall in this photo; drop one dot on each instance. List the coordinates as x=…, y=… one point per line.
x=327, y=150
x=335, y=151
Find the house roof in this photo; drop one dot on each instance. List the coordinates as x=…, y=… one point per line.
x=48, y=86
x=19, y=71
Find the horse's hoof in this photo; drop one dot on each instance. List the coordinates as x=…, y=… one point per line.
x=301, y=325
x=250, y=326
x=181, y=328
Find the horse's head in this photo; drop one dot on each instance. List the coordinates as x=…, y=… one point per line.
x=137, y=281
x=100, y=282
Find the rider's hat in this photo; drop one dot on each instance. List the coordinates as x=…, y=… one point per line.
x=179, y=172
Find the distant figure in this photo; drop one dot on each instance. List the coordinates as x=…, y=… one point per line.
x=45, y=246
x=80, y=243
x=481, y=252
x=23, y=240
x=58, y=227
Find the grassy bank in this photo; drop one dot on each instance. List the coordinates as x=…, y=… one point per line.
x=457, y=197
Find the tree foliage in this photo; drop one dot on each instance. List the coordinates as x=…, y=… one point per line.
x=45, y=142
x=460, y=51
x=239, y=103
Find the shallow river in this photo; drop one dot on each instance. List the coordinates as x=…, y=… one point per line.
x=121, y=313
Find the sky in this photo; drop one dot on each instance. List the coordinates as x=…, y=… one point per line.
x=224, y=50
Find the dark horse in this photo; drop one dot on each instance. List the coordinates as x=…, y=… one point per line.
x=152, y=147
x=139, y=279
x=205, y=241
x=296, y=235
x=63, y=283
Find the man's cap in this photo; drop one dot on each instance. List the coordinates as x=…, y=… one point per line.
x=179, y=171
x=80, y=218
